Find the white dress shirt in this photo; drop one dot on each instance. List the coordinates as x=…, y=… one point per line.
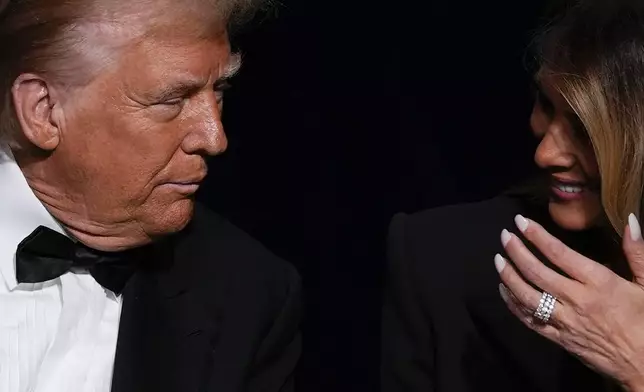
x=57, y=336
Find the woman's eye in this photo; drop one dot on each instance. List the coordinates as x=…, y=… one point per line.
x=579, y=130
x=545, y=104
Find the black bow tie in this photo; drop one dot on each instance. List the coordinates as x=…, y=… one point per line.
x=46, y=254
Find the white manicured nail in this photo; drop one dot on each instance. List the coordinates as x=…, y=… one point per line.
x=505, y=237
x=499, y=263
x=504, y=292
x=634, y=228
x=521, y=222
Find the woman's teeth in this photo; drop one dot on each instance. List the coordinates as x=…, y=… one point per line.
x=569, y=189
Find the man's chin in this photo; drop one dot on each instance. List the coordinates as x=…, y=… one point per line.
x=171, y=219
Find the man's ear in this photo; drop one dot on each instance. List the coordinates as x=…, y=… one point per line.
x=34, y=104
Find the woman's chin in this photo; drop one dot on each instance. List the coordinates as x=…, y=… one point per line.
x=575, y=216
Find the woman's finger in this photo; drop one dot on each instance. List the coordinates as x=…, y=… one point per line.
x=527, y=296
x=633, y=246
x=535, y=271
x=547, y=330
x=572, y=263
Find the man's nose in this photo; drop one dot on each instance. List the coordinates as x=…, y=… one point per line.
x=207, y=136
x=555, y=149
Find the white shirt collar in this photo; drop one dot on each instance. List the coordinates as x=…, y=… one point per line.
x=20, y=214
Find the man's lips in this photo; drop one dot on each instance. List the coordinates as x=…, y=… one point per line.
x=190, y=178
x=187, y=184
x=183, y=188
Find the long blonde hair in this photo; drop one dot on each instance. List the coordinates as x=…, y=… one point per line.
x=595, y=51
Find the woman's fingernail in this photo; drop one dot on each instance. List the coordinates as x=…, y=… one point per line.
x=499, y=263
x=521, y=222
x=504, y=292
x=634, y=228
x=505, y=237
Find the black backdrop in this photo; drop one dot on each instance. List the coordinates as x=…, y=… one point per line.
x=349, y=111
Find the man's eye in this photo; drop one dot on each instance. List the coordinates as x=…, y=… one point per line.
x=172, y=102
x=222, y=85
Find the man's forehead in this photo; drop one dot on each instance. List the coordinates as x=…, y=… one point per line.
x=183, y=53
x=165, y=73
x=225, y=70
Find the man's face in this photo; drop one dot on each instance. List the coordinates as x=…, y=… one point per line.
x=133, y=141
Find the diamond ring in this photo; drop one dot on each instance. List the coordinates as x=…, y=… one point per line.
x=546, y=307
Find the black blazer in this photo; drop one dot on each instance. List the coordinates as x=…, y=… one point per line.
x=215, y=312
x=445, y=327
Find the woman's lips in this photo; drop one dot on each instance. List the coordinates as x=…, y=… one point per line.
x=568, y=190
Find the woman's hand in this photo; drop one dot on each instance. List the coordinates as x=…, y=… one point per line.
x=598, y=316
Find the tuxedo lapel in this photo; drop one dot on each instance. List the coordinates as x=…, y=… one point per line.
x=165, y=338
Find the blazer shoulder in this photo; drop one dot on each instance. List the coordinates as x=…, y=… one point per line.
x=451, y=237
x=475, y=215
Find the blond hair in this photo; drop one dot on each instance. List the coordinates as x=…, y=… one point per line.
x=595, y=54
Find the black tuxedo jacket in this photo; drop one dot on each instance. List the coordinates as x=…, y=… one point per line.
x=445, y=327
x=214, y=312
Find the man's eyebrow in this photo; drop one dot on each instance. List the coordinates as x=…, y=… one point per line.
x=233, y=66
x=178, y=89
x=188, y=85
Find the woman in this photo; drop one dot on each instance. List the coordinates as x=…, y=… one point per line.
x=552, y=316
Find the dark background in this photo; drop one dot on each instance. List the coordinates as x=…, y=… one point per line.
x=347, y=112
